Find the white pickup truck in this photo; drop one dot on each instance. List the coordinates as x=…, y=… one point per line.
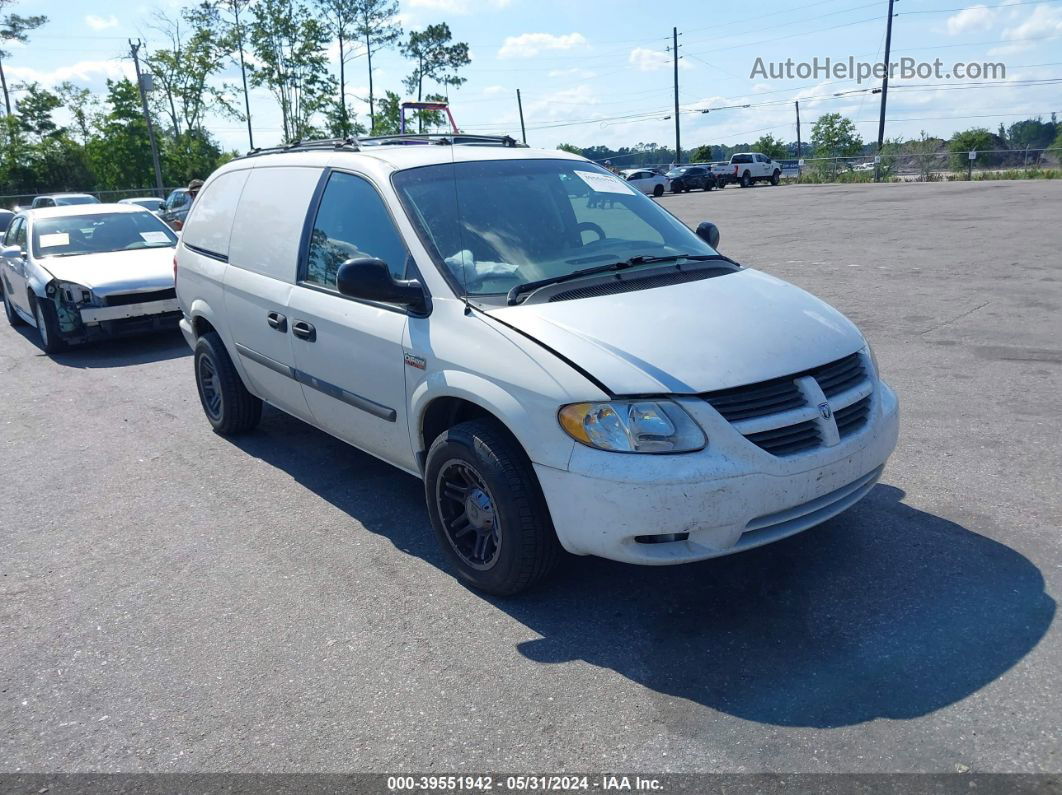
x=746, y=168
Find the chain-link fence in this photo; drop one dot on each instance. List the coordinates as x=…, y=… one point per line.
x=930, y=166
x=12, y=200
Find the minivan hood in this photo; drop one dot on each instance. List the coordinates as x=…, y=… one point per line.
x=131, y=271
x=689, y=338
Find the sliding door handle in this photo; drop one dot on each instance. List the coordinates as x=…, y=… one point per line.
x=277, y=321
x=304, y=331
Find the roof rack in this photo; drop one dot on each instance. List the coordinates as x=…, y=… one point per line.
x=355, y=144
x=441, y=139
x=350, y=143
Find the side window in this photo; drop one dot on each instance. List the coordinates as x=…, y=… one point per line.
x=20, y=235
x=352, y=222
x=10, y=239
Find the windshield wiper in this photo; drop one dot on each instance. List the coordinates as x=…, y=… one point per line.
x=527, y=287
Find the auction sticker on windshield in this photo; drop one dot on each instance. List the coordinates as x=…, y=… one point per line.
x=55, y=239
x=604, y=183
x=155, y=237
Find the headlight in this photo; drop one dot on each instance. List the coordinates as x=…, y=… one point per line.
x=74, y=293
x=632, y=426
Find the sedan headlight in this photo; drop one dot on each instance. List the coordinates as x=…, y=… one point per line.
x=73, y=293
x=632, y=426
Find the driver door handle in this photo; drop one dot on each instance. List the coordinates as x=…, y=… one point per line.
x=304, y=331
x=277, y=321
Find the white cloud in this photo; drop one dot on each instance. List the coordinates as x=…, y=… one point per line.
x=651, y=60
x=92, y=72
x=979, y=17
x=492, y=90
x=99, y=23
x=1044, y=21
x=528, y=45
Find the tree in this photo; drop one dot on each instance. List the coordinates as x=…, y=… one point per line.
x=120, y=154
x=199, y=48
x=975, y=139
x=14, y=27
x=834, y=136
x=82, y=104
x=289, y=45
x=376, y=25
x=436, y=59
x=339, y=18
x=191, y=155
x=768, y=145
x=386, y=119
x=236, y=42
x=572, y=148
x=701, y=154
x=1031, y=134
x=35, y=111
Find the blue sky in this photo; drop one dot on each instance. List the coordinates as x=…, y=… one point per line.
x=600, y=73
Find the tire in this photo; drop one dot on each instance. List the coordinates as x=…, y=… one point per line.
x=13, y=317
x=487, y=508
x=746, y=180
x=709, y=185
x=721, y=184
x=229, y=407
x=47, y=326
x=776, y=177
x=658, y=191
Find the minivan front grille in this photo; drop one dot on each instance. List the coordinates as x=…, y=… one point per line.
x=784, y=416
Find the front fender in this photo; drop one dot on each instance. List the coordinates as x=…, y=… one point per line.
x=532, y=418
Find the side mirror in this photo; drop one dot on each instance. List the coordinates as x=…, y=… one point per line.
x=11, y=252
x=371, y=280
x=709, y=233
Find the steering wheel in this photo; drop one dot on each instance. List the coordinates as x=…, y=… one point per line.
x=590, y=226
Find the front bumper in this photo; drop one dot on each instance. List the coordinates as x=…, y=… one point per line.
x=729, y=497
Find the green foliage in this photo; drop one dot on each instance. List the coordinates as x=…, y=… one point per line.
x=434, y=57
x=1032, y=134
x=387, y=114
x=575, y=150
x=120, y=153
x=834, y=136
x=1020, y=173
x=289, y=44
x=770, y=146
x=35, y=111
x=191, y=155
x=83, y=105
x=702, y=154
x=14, y=27
x=376, y=26
x=976, y=138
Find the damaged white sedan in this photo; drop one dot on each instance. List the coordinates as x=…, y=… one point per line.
x=88, y=272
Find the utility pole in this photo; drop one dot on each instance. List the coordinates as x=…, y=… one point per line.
x=798, y=135
x=884, y=92
x=243, y=74
x=134, y=49
x=520, y=105
x=678, y=140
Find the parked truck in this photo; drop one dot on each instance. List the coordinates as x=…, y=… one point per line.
x=745, y=168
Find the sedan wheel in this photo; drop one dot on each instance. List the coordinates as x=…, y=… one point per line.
x=658, y=191
x=47, y=327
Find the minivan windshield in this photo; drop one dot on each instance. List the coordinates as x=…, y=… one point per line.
x=71, y=235
x=493, y=225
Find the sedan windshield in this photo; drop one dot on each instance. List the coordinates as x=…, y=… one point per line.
x=497, y=224
x=63, y=201
x=71, y=235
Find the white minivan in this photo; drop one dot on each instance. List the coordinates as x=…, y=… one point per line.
x=562, y=371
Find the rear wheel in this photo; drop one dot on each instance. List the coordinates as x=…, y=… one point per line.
x=746, y=180
x=776, y=177
x=13, y=317
x=229, y=407
x=487, y=509
x=658, y=191
x=48, y=326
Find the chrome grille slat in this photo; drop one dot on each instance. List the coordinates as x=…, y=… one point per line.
x=764, y=401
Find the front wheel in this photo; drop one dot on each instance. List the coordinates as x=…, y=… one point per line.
x=48, y=326
x=487, y=509
x=228, y=406
x=776, y=177
x=658, y=191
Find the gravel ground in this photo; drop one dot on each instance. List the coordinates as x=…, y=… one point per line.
x=172, y=601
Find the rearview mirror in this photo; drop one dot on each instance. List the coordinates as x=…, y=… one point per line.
x=11, y=252
x=709, y=233
x=371, y=280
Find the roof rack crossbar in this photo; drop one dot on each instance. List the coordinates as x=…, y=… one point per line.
x=442, y=139
x=308, y=145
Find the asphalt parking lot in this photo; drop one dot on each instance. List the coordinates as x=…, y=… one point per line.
x=173, y=601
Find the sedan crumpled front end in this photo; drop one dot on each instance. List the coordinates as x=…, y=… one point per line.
x=85, y=314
